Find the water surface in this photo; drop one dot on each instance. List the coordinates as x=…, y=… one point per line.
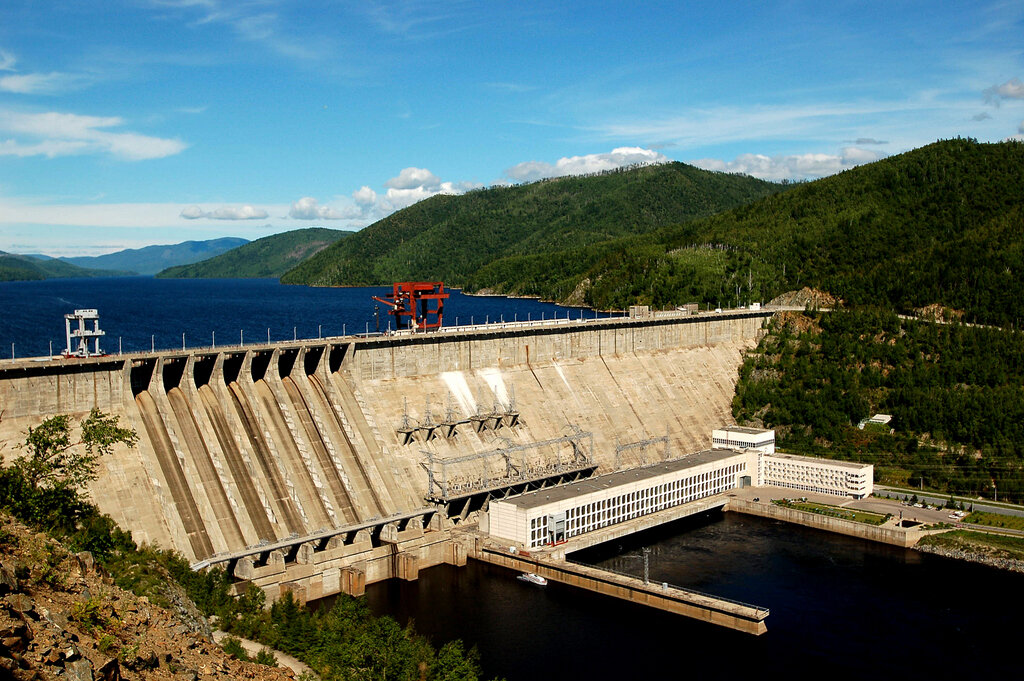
x=840, y=607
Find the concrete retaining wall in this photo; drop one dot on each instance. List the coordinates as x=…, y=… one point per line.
x=885, y=535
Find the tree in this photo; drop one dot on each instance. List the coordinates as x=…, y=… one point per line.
x=55, y=460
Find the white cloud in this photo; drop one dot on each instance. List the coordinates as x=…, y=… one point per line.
x=55, y=134
x=410, y=186
x=792, y=167
x=38, y=83
x=396, y=199
x=582, y=165
x=133, y=217
x=307, y=208
x=250, y=22
x=1011, y=89
x=902, y=122
x=245, y=212
x=1020, y=128
x=364, y=196
x=413, y=178
x=7, y=61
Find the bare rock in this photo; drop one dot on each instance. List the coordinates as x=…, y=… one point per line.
x=15, y=644
x=78, y=670
x=110, y=671
x=22, y=604
x=86, y=562
x=8, y=579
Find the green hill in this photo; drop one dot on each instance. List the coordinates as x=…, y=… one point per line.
x=449, y=238
x=270, y=256
x=27, y=268
x=942, y=225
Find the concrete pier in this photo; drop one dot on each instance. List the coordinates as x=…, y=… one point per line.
x=719, y=611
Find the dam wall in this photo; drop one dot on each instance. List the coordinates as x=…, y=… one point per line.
x=293, y=462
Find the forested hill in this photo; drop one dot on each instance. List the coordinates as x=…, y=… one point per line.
x=943, y=224
x=27, y=268
x=270, y=256
x=450, y=237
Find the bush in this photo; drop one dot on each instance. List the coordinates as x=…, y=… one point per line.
x=233, y=647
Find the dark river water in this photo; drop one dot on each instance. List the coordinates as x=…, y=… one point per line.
x=139, y=313
x=840, y=608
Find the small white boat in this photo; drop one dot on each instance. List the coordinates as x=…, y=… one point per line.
x=533, y=578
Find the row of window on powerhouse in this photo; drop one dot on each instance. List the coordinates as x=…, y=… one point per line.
x=597, y=514
x=786, y=475
x=810, y=488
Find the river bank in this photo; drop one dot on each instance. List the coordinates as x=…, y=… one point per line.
x=1004, y=553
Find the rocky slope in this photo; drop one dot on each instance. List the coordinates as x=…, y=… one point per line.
x=62, y=617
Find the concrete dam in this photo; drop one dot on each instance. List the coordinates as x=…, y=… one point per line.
x=320, y=465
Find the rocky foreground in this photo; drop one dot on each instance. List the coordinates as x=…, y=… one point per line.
x=62, y=617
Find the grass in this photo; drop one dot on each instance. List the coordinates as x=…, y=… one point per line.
x=995, y=546
x=834, y=511
x=995, y=520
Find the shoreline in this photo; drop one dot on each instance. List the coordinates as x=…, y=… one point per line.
x=1010, y=564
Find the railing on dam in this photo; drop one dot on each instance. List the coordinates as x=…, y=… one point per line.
x=472, y=329
x=319, y=537
x=668, y=585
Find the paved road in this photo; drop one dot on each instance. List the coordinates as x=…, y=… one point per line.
x=935, y=499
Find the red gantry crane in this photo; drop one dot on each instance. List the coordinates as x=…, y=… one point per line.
x=417, y=305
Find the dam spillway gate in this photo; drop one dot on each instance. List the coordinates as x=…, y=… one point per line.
x=319, y=466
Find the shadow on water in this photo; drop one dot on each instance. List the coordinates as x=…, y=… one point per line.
x=838, y=605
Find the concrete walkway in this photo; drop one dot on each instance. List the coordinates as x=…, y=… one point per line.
x=253, y=648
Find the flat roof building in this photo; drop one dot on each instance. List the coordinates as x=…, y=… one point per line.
x=550, y=516
x=738, y=437
x=824, y=476
x=742, y=457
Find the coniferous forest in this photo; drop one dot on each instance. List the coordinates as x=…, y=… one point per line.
x=937, y=225
x=956, y=394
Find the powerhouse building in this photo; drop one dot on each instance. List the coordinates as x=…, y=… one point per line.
x=742, y=457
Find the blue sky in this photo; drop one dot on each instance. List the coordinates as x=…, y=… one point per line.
x=125, y=123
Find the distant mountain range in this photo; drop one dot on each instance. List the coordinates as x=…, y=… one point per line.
x=133, y=261
x=270, y=256
x=34, y=268
x=153, y=259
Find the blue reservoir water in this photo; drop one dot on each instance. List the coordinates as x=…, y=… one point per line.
x=144, y=312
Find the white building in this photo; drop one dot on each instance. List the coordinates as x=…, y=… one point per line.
x=824, y=476
x=742, y=457
x=555, y=514
x=738, y=437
